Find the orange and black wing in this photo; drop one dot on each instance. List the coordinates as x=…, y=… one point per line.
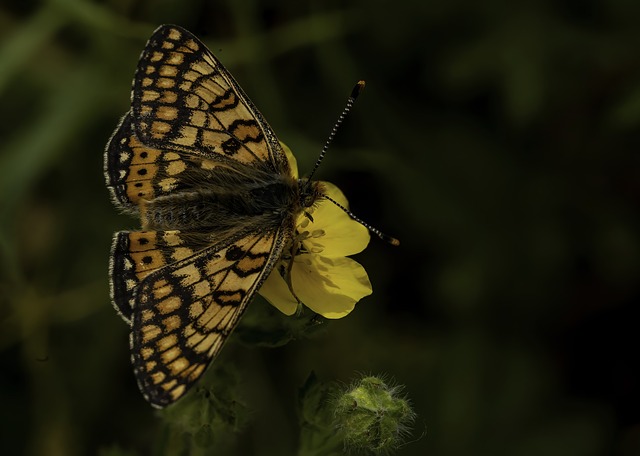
x=184, y=99
x=137, y=254
x=184, y=312
x=136, y=172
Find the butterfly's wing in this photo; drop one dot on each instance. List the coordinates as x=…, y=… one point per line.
x=184, y=311
x=189, y=122
x=184, y=99
x=136, y=254
x=135, y=171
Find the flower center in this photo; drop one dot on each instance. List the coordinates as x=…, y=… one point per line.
x=309, y=238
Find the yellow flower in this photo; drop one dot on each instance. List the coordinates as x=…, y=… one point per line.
x=322, y=276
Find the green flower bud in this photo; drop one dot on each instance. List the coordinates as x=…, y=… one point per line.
x=373, y=415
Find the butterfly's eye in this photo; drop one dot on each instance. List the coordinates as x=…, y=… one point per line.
x=310, y=193
x=307, y=200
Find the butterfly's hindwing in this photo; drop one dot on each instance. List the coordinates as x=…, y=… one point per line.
x=135, y=173
x=184, y=99
x=135, y=255
x=185, y=311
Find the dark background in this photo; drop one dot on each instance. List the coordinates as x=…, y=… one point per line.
x=498, y=140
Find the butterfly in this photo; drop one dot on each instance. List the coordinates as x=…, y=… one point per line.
x=198, y=164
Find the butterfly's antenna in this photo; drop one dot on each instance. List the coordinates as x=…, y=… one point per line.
x=391, y=240
x=352, y=98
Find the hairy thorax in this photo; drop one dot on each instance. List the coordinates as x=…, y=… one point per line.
x=213, y=209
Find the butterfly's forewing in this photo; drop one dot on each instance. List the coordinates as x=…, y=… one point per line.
x=184, y=99
x=185, y=311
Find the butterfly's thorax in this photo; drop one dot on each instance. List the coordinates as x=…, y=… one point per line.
x=250, y=203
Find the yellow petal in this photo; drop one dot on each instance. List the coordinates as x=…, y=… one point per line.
x=330, y=287
x=333, y=233
x=276, y=291
x=334, y=192
x=293, y=163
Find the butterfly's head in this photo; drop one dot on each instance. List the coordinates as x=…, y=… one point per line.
x=310, y=192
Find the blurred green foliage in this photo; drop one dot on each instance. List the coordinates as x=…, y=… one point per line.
x=499, y=141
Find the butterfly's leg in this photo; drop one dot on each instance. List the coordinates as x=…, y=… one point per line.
x=295, y=247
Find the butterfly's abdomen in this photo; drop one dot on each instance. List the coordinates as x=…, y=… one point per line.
x=260, y=204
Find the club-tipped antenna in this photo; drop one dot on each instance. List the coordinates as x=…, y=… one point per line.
x=385, y=237
x=352, y=98
x=357, y=89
